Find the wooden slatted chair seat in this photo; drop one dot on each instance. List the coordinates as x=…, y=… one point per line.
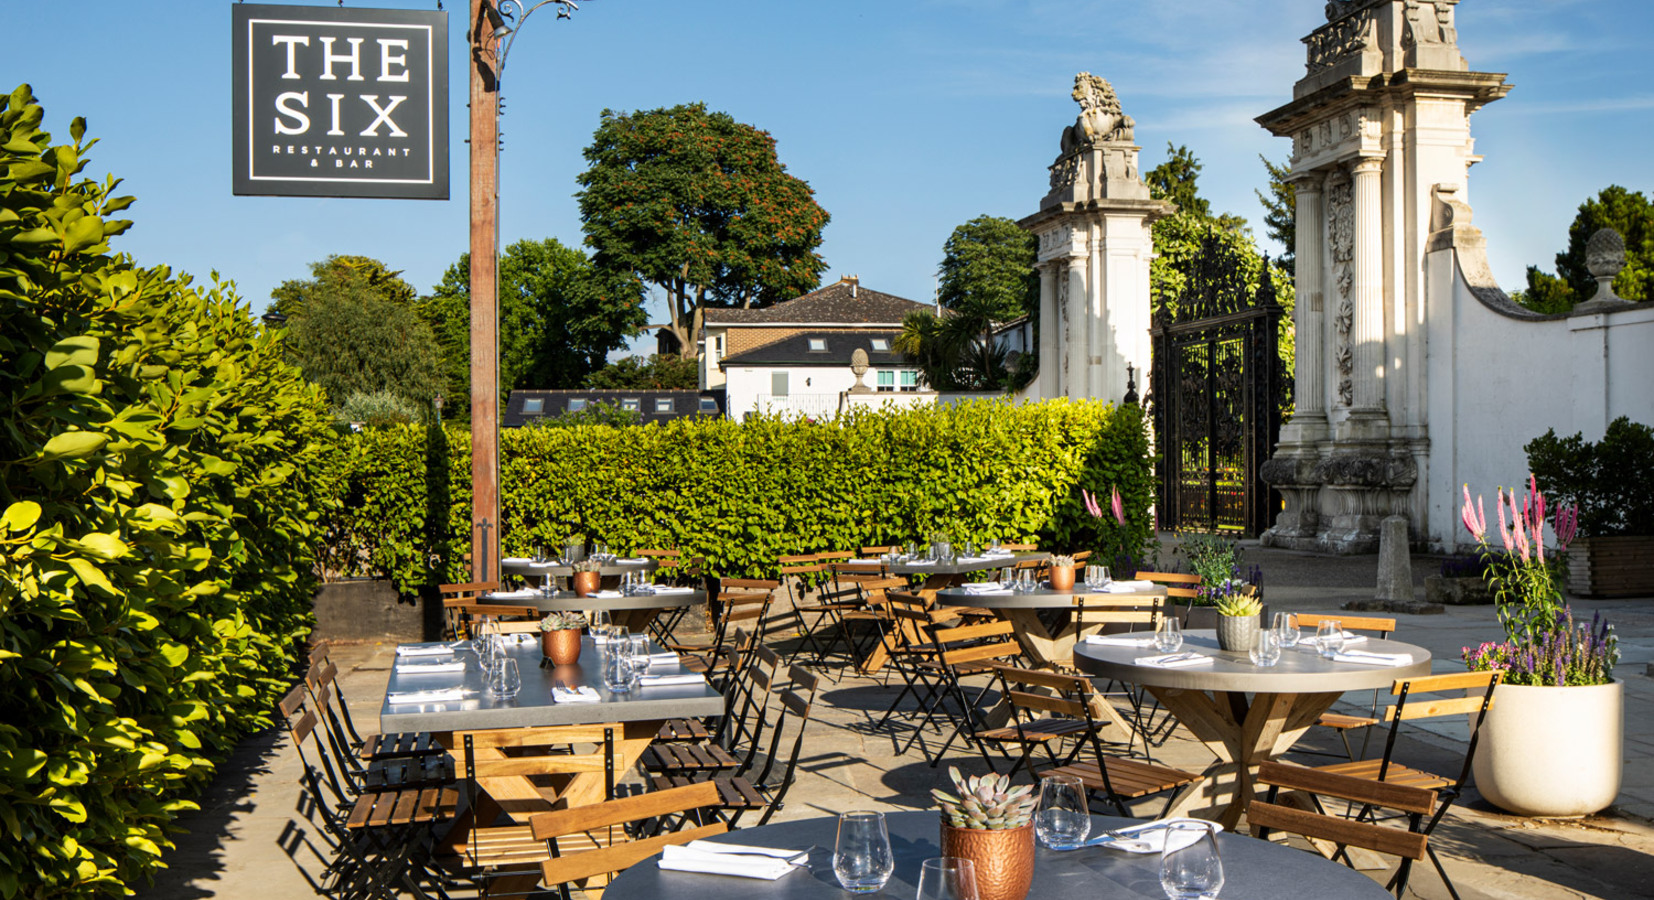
x=321, y=680
x=1397, y=773
x=1342, y=723
x=412, y=806
x=687, y=758
x=1037, y=730
x=1131, y=778
x=682, y=730
x=1177, y=584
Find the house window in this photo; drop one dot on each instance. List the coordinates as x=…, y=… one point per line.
x=577, y=404
x=718, y=345
x=534, y=406
x=881, y=344
x=910, y=380
x=631, y=404
x=663, y=404
x=887, y=380
x=818, y=345
x=778, y=384
x=709, y=405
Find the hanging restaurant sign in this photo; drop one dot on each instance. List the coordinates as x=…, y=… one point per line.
x=333, y=102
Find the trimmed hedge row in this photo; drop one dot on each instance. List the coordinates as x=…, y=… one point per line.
x=160, y=469
x=742, y=493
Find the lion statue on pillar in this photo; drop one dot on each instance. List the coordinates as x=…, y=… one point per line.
x=1100, y=117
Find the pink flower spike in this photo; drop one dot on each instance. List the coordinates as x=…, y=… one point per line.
x=1091, y=504
x=1521, y=534
x=1117, y=505
x=1504, y=530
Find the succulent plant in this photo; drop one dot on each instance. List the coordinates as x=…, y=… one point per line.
x=563, y=621
x=1242, y=602
x=589, y=565
x=1062, y=561
x=985, y=802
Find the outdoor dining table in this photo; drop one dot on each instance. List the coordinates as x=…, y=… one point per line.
x=635, y=611
x=1252, y=869
x=504, y=728
x=1244, y=713
x=940, y=575
x=523, y=567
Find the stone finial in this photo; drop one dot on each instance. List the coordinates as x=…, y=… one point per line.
x=1604, y=258
x=858, y=366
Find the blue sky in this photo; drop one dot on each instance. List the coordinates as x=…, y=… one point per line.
x=907, y=117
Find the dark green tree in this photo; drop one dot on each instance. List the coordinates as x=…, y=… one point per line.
x=1628, y=212
x=656, y=372
x=1280, y=212
x=341, y=275
x=698, y=205
x=988, y=264
x=559, y=319
x=353, y=344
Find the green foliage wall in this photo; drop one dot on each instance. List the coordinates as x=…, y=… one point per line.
x=740, y=494
x=159, y=473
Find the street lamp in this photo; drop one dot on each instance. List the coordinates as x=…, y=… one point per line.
x=490, y=22
x=273, y=319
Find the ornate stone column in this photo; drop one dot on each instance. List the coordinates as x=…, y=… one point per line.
x=1074, y=322
x=1367, y=410
x=1309, y=416
x=1047, y=383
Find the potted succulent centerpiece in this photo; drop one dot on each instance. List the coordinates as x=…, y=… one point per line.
x=1239, y=615
x=1218, y=562
x=990, y=823
x=1061, y=572
x=587, y=577
x=1552, y=743
x=560, y=637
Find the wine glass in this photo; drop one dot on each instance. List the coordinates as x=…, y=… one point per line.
x=1286, y=629
x=1329, y=636
x=1062, y=821
x=1190, y=868
x=862, y=859
x=599, y=625
x=1267, y=651
x=504, y=679
x=947, y=878
x=1168, y=635
x=640, y=653
x=618, y=672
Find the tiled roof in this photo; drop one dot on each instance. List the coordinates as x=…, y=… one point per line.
x=837, y=347
x=526, y=406
x=842, y=303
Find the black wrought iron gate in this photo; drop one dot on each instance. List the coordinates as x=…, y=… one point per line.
x=1217, y=392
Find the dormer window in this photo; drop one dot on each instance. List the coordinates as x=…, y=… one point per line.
x=881, y=344
x=818, y=345
x=534, y=406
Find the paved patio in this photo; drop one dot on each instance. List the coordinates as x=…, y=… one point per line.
x=251, y=838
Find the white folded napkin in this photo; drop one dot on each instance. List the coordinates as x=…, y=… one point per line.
x=795, y=856
x=515, y=560
x=665, y=589
x=1351, y=637
x=751, y=864
x=1174, y=660
x=582, y=694
x=1152, y=837
x=446, y=695
x=430, y=668
x=665, y=680
x=866, y=562
x=606, y=595
x=1135, y=640
x=987, y=587
x=633, y=560
x=1127, y=587
x=921, y=562
x=663, y=659
x=998, y=553
x=1368, y=658
x=425, y=650
x=518, y=594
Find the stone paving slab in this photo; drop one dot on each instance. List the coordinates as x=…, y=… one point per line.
x=251, y=838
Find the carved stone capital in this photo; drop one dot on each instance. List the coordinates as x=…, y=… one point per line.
x=1371, y=471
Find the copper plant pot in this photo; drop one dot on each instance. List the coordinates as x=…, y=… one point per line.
x=562, y=646
x=586, y=583
x=1004, y=859
x=1062, y=578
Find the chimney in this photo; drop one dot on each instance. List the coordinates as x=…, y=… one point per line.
x=855, y=282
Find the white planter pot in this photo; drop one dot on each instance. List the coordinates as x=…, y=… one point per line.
x=1552, y=751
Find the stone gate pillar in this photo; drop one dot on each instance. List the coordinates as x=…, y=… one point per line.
x=1094, y=252
x=1380, y=119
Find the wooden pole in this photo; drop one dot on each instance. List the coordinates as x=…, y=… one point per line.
x=485, y=356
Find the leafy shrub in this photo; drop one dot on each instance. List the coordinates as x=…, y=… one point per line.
x=378, y=408
x=159, y=473
x=742, y=493
x=1611, y=480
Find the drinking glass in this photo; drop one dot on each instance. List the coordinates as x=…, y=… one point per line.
x=628, y=584
x=993, y=546
x=1105, y=578
x=640, y=653
x=505, y=679
x=861, y=858
x=1025, y=581
x=618, y=673
x=1190, y=868
x=912, y=550
x=947, y=878
x=1329, y=636
x=1168, y=635
x=1286, y=629
x=599, y=624
x=970, y=549
x=1062, y=821
x=1267, y=651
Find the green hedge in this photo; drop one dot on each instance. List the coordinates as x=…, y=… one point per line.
x=740, y=494
x=160, y=469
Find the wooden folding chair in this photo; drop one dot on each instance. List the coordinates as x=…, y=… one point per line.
x=1118, y=613
x=1116, y=779
x=801, y=575
x=322, y=683
x=1178, y=585
x=596, y=825
x=950, y=655
x=743, y=729
x=1343, y=724
x=455, y=596
x=1336, y=834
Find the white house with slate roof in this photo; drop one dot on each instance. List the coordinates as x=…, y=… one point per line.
x=794, y=357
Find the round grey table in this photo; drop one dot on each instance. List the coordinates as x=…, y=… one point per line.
x=528, y=568
x=635, y=611
x=1252, y=869
x=1042, y=646
x=1243, y=731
